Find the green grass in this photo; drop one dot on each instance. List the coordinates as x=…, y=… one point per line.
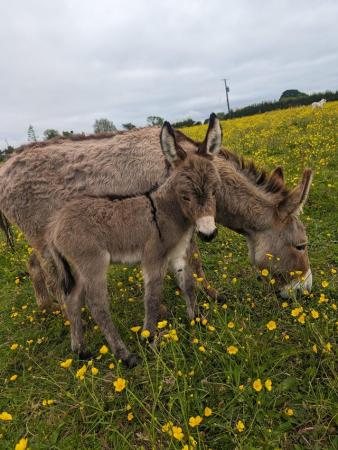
x=177, y=381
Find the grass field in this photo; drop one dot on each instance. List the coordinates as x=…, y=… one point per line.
x=227, y=383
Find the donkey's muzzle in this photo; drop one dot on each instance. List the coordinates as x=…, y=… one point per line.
x=207, y=237
x=302, y=284
x=206, y=228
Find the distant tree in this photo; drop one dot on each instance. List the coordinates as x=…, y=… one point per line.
x=103, y=126
x=67, y=133
x=6, y=152
x=292, y=93
x=31, y=134
x=154, y=121
x=50, y=133
x=128, y=126
x=185, y=123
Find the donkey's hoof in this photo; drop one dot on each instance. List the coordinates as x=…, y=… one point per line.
x=131, y=361
x=85, y=355
x=220, y=298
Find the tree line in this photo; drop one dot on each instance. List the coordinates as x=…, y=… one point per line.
x=289, y=98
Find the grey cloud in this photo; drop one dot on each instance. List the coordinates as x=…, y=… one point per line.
x=65, y=63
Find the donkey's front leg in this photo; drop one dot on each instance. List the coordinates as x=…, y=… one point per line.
x=186, y=283
x=195, y=257
x=153, y=275
x=97, y=301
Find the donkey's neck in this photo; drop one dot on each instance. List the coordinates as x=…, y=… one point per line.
x=241, y=206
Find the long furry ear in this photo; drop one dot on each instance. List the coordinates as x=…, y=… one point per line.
x=276, y=181
x=171, y=150
x=213, y=140
x=278, y=173
x=294, y=202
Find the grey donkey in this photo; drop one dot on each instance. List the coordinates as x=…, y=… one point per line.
x=40, y=178
x=155, y=229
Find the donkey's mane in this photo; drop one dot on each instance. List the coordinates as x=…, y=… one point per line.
x=259, y=177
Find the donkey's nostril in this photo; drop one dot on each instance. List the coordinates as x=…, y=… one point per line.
x=207, y=237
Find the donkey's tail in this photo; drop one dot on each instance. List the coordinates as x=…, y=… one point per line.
x=67, y=280
x=6, y=228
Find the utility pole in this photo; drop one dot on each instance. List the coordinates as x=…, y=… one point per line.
x=227, y=89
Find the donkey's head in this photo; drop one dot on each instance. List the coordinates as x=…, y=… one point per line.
x=196, y=180
x=281, y=246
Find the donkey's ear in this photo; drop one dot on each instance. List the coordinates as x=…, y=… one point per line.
x=278, y=173
x=294, y=202
x=171, y=150
x=213, y=140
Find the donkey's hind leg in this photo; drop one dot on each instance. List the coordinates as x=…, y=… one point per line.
x=97, y=301
x=73, y=303
x=38, y=277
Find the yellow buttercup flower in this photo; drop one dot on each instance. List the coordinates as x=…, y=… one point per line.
x=195, y=421
x=66, y=364
x=265, y=272
x=22, y=444
x=145, y=333
x=268, y=385
x=325, y=284
x=162, y=324
x=104, y=349
x=207, y=411
x=314, y=313
x=81, y=372
x=296, y=311
x=240, y=426
x=231, y=325
x=14, y=346
x=301, y=318
x=120, y=384
x=289, y=411
x=135, y=329
x=166, y=427
x=13, y=377
x=257, y=385
x=5, y=416
x=177, y=433
x=130, y=416
x=328, y=347
x=95, y=371
x=232, y=350
x=271, y=325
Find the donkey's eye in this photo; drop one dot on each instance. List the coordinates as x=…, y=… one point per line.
x=300, y=247
x=185, y=198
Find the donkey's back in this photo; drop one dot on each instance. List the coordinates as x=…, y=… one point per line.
x=38, y=180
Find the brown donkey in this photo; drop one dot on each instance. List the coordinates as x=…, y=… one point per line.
x=155, y=229
x=40, y=178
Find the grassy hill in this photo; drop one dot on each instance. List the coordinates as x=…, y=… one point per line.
x=296, y=407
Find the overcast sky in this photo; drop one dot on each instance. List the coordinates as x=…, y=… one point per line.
x=65, y=63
